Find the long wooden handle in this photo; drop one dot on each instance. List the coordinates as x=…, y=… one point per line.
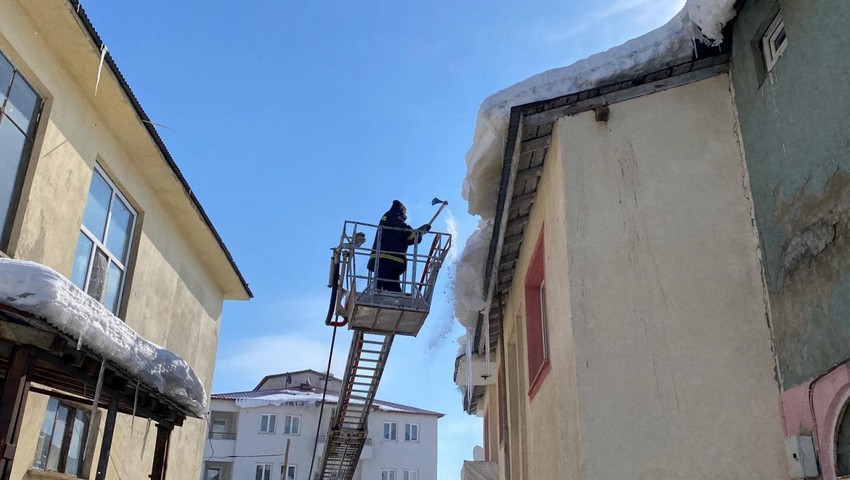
x=442, y=206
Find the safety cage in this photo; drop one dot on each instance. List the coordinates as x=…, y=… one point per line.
x=357, y=299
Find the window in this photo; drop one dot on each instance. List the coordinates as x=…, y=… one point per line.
x=411, y=432
x=290, y=472
x=390, y=430
x=410, y=475
x=387, y=474
x=213, y=473
x=103, y=248
x=19, y=111
x=292, y=425
x=62, y=438
x=536, y=318
x=267, y=422
x=263, y=471
x=774, y=41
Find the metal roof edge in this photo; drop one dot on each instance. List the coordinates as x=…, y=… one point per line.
x=84, y=19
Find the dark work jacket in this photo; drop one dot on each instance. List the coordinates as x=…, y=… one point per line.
x=394, y=243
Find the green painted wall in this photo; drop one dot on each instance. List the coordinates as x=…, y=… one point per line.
x=795, y=125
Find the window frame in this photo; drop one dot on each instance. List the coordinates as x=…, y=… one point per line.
x=26, y=154
x=410, y=475
x=537, y=319
x=408, y=432
x=271, y=423
x=287, y=425
x=265, y=474
x=771, y=53
x=288, y=467
x=393, y=431
x=98, y=245
x=390, y=474
x=67, y=438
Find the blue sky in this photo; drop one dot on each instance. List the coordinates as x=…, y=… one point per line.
x=288, y=118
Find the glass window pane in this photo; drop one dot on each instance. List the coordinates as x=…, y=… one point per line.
x=842, y=445
x=75, y=448
x=22, y=104
x=45, y=436
x=81, y=261
x=58, y=437
x=113, y=288
x=97, y=279
x=12, y=146
x=6, y=71
x=118, y=237
x=97, y=205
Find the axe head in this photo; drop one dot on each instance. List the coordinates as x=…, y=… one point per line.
x=436, y=200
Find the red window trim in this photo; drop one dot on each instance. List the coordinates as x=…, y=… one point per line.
x=537, y=338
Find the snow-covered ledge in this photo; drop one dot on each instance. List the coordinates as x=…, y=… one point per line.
x=44, y=293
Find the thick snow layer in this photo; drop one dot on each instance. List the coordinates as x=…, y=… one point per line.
x=39, y=290
x=307, y=399
x=699, y=20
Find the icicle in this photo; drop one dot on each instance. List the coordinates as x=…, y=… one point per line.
x=470, y=336
x=487, y=348
x=80, y=342
x=100, y=67
x=135, y=402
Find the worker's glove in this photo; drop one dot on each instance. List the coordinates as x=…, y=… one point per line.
x=425, y=228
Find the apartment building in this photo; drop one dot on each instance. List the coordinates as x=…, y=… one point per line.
x=273, y=432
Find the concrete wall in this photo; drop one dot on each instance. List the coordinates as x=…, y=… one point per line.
x=673, y=353
x=398, y=454
x=175, y=292
x=794, y=127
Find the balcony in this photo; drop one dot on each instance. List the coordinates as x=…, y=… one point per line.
x=479, y=471
x=222, y=443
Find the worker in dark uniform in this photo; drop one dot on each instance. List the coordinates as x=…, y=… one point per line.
x=394, y=240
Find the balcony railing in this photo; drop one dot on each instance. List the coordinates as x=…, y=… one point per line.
x=222, y=436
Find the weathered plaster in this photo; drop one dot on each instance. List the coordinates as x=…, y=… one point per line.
x=794, y=127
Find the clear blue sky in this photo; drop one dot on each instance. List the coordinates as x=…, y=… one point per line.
x=288, y=118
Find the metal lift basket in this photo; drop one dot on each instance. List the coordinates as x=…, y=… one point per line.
x=361, y=304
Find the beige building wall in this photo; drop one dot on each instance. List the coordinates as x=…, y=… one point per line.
x=660, y=355
x=178, y=274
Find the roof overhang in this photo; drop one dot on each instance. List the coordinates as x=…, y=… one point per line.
x=527, y=143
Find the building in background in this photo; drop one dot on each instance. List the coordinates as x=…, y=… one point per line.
x=88, y=189
x=250, y=431
x=664, y=256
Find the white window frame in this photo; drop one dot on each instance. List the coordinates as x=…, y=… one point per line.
x=410, y=475
x=98, y=245
x=287, y=425
x=388, y=474
x=770, y=51
x=266, y=473
x=392, y=434
x=292, y=467
x=409, y=429
x=271, y=423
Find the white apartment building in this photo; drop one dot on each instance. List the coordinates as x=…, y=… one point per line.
x=249, y=432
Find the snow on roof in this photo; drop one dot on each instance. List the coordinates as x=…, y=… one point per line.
x=311, y=397
x=41, y=291
x=670, y=44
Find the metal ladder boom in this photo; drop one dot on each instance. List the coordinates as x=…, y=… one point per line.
x=348, y=430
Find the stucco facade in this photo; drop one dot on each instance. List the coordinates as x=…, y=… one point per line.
x=659, y=351
x=178, y=274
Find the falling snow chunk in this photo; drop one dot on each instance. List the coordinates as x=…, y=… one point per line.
x=39, y=290
x=671, y=44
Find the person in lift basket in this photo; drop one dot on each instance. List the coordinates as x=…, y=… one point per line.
x=394, y=243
